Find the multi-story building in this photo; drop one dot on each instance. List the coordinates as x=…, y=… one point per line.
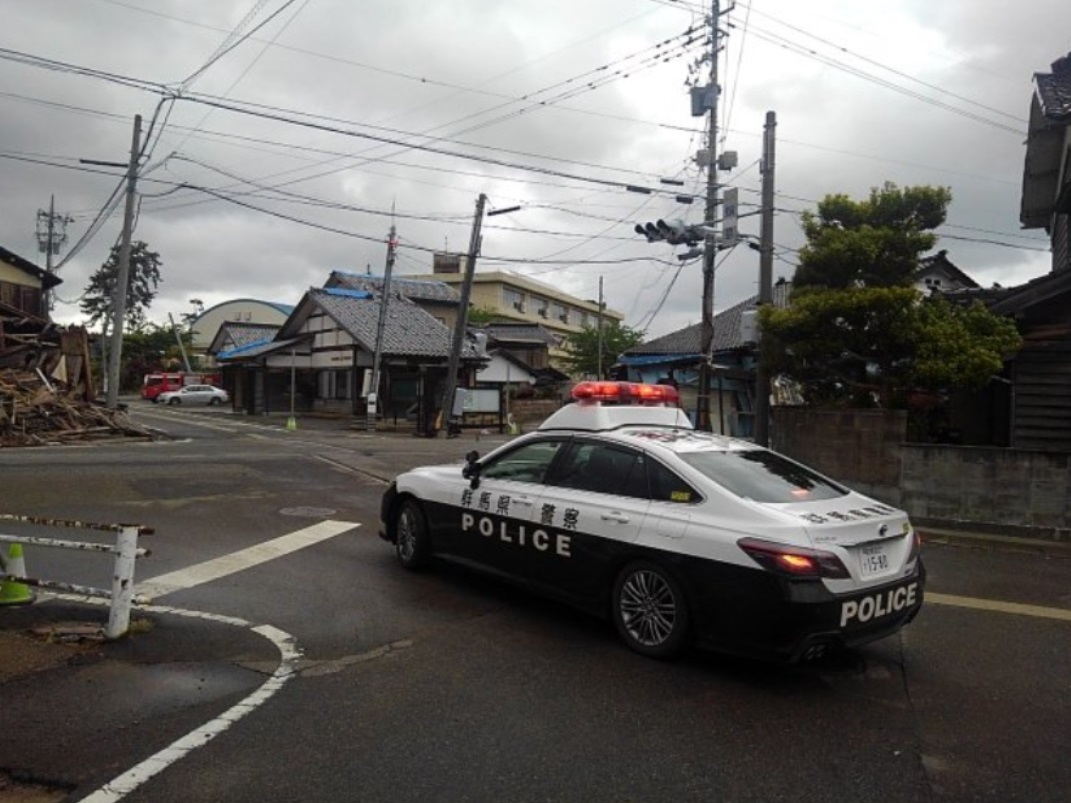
x=518, y=299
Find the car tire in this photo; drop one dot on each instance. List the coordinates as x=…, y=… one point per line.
x=649, y=610
x=215, y=400
x=412, y=540
x=174, y=401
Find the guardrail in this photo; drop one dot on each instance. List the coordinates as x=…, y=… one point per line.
x=126, y=551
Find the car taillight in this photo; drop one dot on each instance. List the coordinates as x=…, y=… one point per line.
x=916, y=546
x=793, y=561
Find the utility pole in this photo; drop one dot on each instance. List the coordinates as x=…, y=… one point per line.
x=181, y=345
x=122, y=279
x=599, y=374
x=462, y=315
x=706, y=337
x=766, y=247
x=51, y=234
x=384, y=301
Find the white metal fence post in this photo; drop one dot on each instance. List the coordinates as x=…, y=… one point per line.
x=123, y=582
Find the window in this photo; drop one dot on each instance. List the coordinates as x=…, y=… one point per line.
x=527, y=463
x=668, y=487
x=559, y=313
x=334, y=384
x=763, y=476
x=604, y=469
x=513, y=298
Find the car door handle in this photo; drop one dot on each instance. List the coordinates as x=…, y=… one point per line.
x=614, y=515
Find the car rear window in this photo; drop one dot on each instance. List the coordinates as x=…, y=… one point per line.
x=763, y=476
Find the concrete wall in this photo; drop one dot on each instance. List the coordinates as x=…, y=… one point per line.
x=858, y=447
x=1012, y=491
x=1005, y=488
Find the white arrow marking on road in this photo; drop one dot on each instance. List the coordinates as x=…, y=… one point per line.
x=233, y=562
x=1019, y=609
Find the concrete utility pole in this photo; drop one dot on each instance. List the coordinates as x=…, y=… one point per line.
x=122, y=279
x=706, y=337
x=462, y=315
x=51, y=234
x=182, y=347
x=384, y=301
x=599, y=374
x=766, y=247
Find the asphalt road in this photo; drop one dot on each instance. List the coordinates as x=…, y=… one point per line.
x=447, y=686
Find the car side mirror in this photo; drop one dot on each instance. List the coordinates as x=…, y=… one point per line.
x=471, y=471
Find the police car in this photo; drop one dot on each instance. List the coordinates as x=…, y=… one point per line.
x=617, y=505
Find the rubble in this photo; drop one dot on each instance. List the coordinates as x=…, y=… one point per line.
x=47, y=395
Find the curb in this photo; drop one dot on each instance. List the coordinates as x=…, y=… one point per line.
x=1004, y=542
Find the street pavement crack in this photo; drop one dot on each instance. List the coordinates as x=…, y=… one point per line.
x=308, y=668
x=926, y=763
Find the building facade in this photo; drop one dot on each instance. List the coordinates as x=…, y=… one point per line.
x=513, y=298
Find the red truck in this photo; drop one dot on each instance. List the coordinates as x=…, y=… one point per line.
x=155, y=384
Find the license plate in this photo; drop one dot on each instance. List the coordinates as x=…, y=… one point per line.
x=873, y=560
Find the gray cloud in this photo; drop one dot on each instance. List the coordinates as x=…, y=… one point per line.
x=435, y=73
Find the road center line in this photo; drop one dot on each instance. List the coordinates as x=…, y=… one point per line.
x=233, y=562
x=974, y=603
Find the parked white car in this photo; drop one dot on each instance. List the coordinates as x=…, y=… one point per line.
x=195, y=394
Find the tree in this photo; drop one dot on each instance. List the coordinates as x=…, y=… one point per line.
x=857, y=332
x=481, y=316
x=141, y=290
x=151, y=349
x=873, y=243
x=582, y=347
x=189, y=318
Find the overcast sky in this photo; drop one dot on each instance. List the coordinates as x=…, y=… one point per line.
x=283, y=158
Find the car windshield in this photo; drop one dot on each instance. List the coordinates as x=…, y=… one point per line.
x=762, y=476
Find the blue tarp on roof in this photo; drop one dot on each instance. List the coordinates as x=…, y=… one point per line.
x=658, y=359
x=223, y=355
x=342, y=291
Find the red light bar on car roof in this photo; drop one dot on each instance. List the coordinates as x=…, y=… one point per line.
x=625, y=393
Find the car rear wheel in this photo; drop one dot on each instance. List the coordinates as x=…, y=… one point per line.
x=649, y=610
x=174, y=401
x=412, y=543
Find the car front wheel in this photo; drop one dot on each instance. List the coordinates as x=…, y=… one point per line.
x=412, y=542
x=649, y=610
x=174, y=401
x=215, y=400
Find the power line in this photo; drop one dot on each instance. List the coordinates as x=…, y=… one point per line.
x=804, y=51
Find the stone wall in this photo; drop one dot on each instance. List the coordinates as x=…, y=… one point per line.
x=858, y=447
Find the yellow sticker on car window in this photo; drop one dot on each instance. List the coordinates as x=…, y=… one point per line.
x=680, y=496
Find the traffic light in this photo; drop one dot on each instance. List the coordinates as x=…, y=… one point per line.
x=674, y=232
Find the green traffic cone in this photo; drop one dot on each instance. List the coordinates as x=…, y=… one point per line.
x=12, y=592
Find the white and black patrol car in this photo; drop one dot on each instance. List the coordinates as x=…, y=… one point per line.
x=618, y=505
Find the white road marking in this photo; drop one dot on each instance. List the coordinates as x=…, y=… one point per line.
x=289, y=655
x=974, y=603
x=233, y=562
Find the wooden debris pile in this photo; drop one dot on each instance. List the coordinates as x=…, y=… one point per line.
x=46, y=387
